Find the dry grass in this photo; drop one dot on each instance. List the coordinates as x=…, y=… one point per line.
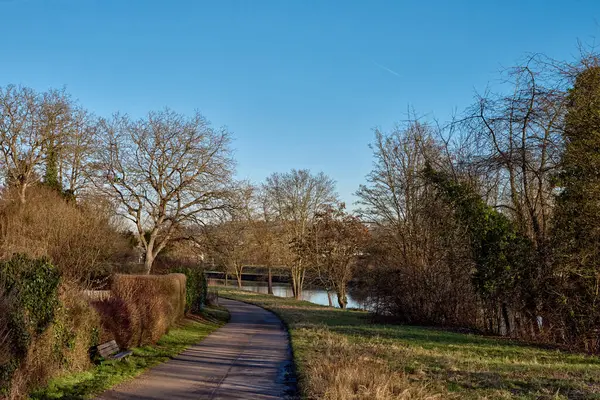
x=336, y=369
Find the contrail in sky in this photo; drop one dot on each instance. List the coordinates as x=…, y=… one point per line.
x=391, y=71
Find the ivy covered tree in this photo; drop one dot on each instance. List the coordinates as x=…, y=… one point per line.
x=577, y=213
x=51, y=174
x=501, y=255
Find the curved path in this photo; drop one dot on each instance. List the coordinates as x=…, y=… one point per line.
x=248, y=358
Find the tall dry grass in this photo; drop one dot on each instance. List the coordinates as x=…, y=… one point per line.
x=338, y=369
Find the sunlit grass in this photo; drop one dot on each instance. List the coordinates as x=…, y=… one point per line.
x=344, y=355
x=110, y=373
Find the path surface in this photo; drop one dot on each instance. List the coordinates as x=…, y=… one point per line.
x=246, y=359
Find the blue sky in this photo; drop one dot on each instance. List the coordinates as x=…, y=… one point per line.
x=301, y=84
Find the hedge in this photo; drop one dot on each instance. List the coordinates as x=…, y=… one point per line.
x=142, y=308
x=196, y=289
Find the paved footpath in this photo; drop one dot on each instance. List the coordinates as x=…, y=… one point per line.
x=248, y=358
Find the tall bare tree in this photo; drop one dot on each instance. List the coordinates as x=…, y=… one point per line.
x=296, y=197
x=164, y=171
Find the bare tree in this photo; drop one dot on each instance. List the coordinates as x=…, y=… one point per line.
x=230, y=244
x=231, y=241
x=165, y=171
x=266, y=230
x=296, y=197
x=334, y=245
x=519, y=137
x=44, y=135
x=22, y=137
x=76, y=153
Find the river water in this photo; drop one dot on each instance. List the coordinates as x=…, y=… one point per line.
x=317, y=296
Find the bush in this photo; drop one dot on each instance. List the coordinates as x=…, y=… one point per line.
x=196, y=289
x=30, y=297
x=76, y=236
x=143, y=308
x=46, y=329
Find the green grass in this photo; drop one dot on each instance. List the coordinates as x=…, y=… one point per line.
x=428, y=363
x=110, y=373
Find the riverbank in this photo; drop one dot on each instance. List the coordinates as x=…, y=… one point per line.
x=342, y=355
x=110, y=373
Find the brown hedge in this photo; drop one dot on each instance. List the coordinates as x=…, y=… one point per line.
x=142, y=308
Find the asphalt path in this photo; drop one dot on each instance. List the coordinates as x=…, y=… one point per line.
x=248, y=358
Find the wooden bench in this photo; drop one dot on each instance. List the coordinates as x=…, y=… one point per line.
x=110, y=351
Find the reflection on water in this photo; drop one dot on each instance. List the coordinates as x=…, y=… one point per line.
x=317, y=296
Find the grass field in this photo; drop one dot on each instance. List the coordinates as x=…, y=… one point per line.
x=342, y=355
x=110, y=373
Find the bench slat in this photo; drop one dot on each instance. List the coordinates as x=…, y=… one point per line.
x=107, y=354
x=111, y=350
x=112, y=343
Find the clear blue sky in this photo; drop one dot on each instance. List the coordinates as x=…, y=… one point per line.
x=301, y=84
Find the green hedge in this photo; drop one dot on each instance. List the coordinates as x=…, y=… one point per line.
x=29, y=291
x=196, y=289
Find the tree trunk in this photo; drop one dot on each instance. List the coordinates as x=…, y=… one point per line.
x=294, y=287
x=296, y=282
x=506, y=319
x=297, y=290
x=270, y=282
x=329, y=298
x=226, y=276
x=238, y=276
x=148, y=261
x=22, y=190
x=342, y=299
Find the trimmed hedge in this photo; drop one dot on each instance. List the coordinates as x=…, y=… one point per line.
x=196, y=289
x=142, y=308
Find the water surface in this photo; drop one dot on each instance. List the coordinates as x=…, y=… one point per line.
x=317, y=296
